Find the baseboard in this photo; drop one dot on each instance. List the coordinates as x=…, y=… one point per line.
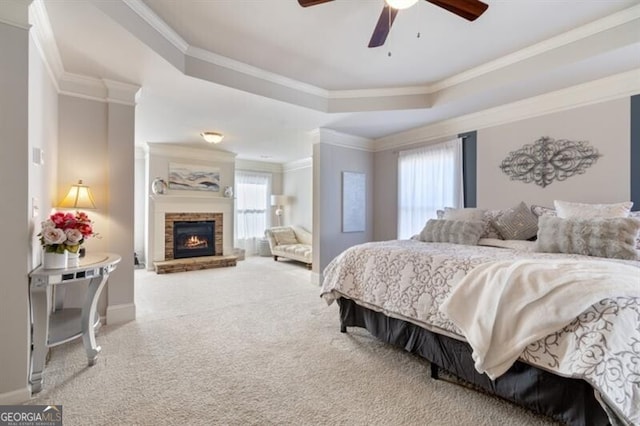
x=15, y=397
x=118, y=314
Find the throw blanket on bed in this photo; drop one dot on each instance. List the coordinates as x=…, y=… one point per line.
x=409, y=280
x=516, y=303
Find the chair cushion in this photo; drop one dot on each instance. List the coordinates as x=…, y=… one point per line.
x=284, y=236
x=302, y=251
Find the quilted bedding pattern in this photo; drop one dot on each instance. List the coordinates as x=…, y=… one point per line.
x=409, y=280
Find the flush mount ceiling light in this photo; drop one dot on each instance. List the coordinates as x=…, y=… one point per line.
x=212, y=137
x=401, y=4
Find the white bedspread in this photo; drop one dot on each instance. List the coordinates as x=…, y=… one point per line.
x=516, y=303
x=409, y=280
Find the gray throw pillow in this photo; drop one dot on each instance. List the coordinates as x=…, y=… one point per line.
x=452, y=231
x=517, y=223
x=613, y=238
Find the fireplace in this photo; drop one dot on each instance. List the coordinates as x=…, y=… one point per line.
x=193, y=239
x=190, y=235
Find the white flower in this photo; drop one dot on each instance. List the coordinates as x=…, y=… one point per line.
x=48, y=224
x=73, y=237
x=53, y=236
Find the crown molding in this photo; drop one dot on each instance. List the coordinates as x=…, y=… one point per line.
x=241, y=67
x=45, y=41
x=258, y=166
x=303, y=163
x=596, y=91
x=355, y=99
x=96, y=89
x=620, y=18
x=177, y=152
x=344, y=140
x=15, y=13
x=121, y=93
x=158, y=24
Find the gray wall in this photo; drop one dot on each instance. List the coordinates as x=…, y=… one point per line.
x=605, y=125
x=15, y=263
x=329, y=161
x=96, y=145
x=297, y=183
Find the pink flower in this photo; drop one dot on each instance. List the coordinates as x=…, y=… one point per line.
x=53, y=236
x=74, y=237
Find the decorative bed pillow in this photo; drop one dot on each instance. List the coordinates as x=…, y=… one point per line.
x=452, y=231
x=637, y=216
x=284, y=236
x=613, y=238
x=473, y=214
x=517, y=223
x=466, y=214
x=543, y=211
x=567, y=210
x=490, y=230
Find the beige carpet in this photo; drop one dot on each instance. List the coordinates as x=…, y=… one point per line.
x=252, y=345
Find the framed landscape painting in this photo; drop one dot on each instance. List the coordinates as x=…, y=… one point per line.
x=194, y=177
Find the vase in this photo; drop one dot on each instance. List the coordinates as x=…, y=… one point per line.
x=73, y=259
x=52, y=260
x=159, y=186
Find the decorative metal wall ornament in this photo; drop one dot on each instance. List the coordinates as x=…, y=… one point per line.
x=548, y=159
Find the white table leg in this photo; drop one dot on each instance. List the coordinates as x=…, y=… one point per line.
x=88, y=317
x=40, y=299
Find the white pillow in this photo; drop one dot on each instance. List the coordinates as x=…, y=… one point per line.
x=467, y=214
x=566, y=210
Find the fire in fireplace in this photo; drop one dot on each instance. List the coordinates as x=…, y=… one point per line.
x=193, y=238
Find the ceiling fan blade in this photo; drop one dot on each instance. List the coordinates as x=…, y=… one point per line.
x=467, y=9
x=383, y=26
x=307, y=3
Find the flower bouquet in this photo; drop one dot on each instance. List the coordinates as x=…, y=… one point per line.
x=65, y=232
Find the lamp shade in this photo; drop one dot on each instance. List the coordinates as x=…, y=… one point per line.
x=78, y=197
x=279, y=200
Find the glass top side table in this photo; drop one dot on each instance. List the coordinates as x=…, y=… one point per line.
x=51, y=327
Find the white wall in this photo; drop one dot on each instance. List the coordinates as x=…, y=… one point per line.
x=14, y=173
x=297, y=183
x=606, y=126
x=139, y=206
x=158, y=158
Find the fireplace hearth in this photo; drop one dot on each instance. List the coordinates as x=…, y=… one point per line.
x=196, y=244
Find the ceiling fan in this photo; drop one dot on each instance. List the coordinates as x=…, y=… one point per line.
x=467, y=9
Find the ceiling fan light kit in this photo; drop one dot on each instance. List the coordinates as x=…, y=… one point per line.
x=401, y=4
x=467, y=9
x=212, y=137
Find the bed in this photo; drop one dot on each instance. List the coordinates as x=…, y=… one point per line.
x=584, y=372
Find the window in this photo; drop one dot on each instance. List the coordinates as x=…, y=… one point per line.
x=429, y=179
x=252, y=209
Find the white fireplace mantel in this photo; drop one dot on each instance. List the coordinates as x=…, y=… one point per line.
x=186, y=203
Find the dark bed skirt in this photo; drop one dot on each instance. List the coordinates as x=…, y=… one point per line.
x=570, y=401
